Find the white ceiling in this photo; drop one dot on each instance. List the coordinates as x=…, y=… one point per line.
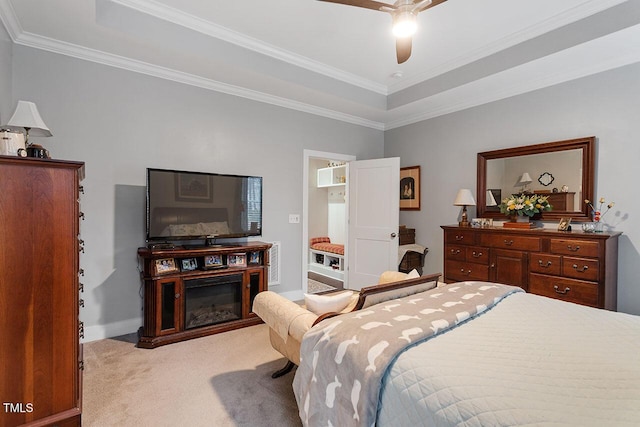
x=339, y=61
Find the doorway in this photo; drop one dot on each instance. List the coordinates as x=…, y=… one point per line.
x=324, y=214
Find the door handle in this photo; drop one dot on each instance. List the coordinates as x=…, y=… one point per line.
x=393, y=235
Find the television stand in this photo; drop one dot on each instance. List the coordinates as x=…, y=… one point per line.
x=191, y=292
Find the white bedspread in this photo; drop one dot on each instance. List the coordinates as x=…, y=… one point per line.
x=529, y=361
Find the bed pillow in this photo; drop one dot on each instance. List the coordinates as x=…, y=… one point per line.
x=321, y=304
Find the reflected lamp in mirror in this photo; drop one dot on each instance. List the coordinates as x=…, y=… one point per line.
x=27, y=117
x=491, y=201
x=524, y=180
x=464, y=198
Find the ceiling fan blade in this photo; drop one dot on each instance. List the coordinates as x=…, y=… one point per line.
x=367, y=4
x=403, y=49
x=429, y=5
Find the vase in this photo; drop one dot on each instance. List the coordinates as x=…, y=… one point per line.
x=598, y=227
x=522, y=218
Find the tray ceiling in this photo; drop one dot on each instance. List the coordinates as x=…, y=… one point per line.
x=339, y=61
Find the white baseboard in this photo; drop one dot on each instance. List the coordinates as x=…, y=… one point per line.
x=123, y=327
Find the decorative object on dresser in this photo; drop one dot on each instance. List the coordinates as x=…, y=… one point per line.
x=464, y=198
x=12, y=143
x=40, y=352
x=571, y=161
x=520, y=208
x=410, y=188
x=576, y=267
x=215, y=296
x=26, y=117
x=598, y=215
x=410, y=255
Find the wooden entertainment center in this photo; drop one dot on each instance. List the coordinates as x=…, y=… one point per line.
x=190, y=292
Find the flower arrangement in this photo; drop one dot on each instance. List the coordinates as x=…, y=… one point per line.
x=598, y=214
x=524, y=205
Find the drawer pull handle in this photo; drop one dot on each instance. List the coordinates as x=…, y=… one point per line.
x=573, y=249
x=508, y=242
x=580, y=269
x=455, y=251
x=458, y=237
x=558, y=291
x=476, y=254
x=466, y=273
x=547, y=265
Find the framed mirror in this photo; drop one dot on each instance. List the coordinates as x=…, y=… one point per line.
x=514, y=170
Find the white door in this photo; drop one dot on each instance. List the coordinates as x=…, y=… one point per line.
x=374, y=214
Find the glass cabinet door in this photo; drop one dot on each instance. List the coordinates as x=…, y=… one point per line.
x=170, y=299
x=254, y=285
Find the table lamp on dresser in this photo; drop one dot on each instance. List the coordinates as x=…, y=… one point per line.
x=464, y=198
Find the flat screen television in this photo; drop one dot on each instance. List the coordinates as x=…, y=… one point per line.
x=184, y=205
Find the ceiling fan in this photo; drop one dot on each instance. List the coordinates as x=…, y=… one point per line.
x=404, y=15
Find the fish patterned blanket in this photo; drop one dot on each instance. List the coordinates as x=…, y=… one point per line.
x=344, y=358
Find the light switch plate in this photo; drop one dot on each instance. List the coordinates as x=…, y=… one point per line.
x=294, y=218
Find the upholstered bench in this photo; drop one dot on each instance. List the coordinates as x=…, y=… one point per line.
x=289, y=321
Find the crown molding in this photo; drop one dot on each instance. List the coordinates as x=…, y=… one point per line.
x=572, y=15
x=514, y=85
x=92, y=55
x=10, y=20
x=178, y=17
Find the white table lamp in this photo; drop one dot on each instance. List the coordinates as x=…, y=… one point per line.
x=464, y=198
x=28, y=118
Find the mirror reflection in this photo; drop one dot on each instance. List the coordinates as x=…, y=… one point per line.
x=561, y=170
x=533, y=173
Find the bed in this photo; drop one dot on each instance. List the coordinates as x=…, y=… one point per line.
x=486, y=355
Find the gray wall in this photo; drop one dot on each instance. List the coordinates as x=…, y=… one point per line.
x=6, y=102
x=120, y=123
x=605, y=105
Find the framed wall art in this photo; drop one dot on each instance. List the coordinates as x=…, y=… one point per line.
x=410, y=188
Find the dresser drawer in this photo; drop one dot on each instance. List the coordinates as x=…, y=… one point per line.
x=545, y=264
x=570, y=290
x=461, y=271
x=580, y=268
x=457, y=253
x=510, y=241
x=460, y=237
x=575, y=247
x=478, y=254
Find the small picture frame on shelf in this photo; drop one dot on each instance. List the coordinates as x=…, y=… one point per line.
x=213, y=261
x=254, y=258
x=165, y=265
x=237, y=260
x=564, y=224
x=189, y=264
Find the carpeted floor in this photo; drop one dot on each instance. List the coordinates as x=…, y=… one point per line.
x=314, y=287
x=219, y=380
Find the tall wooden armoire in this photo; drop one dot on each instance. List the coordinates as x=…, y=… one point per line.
x=40, y=351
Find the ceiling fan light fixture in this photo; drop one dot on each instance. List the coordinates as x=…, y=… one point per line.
x=405, y=24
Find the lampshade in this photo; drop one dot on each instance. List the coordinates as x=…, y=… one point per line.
x=491, y=201
x=525, y=179
x=27, y=117
x=464, y=198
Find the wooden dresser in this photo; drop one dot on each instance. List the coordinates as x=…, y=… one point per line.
x=572, y=266
x=40, y=351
